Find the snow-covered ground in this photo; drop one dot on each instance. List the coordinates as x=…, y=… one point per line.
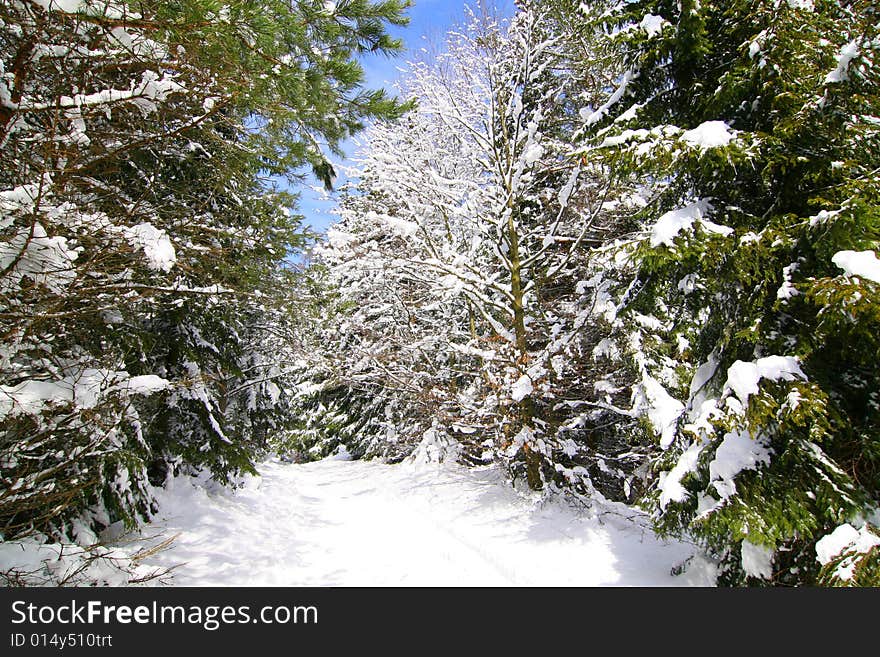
x=354, y=523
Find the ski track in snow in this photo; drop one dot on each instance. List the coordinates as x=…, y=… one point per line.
x=355, y=523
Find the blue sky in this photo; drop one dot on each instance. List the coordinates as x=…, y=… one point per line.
x=429, y=21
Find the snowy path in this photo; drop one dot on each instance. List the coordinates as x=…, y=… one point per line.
x=344, y=523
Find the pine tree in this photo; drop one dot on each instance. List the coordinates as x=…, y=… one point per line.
x=143, y=251
x=754, y=122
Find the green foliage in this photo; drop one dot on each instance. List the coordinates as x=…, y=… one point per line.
x=855, y=565
x=755, y=272
x=140, y=235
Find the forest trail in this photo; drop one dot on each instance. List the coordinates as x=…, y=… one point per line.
x=355, y=523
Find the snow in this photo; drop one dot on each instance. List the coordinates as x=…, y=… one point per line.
x=757, y=560
x=147, y=384
x=754, y=49
x=29, y=396
x=434, y=447
x=858, y=263
x=68, y=6
x=356, y=523
x=847, y=53
x=565, y=193
x=533, y=153
x=831, y=545
x=524, y=437
x=703, y=375
x=653, y=25
x=787, y=290
x=823, y=217
x=591, y=118
x=155, y=244
x=521, y=389
x=569, y=448
x=718, y=229
x=469, y=350
x=845, y=538
x=650, y=322
x=33, y=254
x=737, y=452
x=341, y=454
x=606, y=349
x=743, y=377
x=711, y=134
x=400, y=227
x=20, y=198
x=85, y=389
x=624, y=137
x=46, y=564
x=338, y=239
x=670, y=224
x=670, y=486
x=105, y=8
x=628, y=115
x=663, y=409
x=145, y=94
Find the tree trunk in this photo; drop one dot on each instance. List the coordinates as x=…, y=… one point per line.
x=526, y=407
x=516, y=289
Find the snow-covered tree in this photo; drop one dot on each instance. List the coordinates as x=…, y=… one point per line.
x=756, y=124
x=464, y=257
x=142, y=249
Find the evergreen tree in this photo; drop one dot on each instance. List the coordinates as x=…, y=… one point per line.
x=755, y=123
x=142, y=250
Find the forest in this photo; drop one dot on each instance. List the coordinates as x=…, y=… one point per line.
x=620, y=251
